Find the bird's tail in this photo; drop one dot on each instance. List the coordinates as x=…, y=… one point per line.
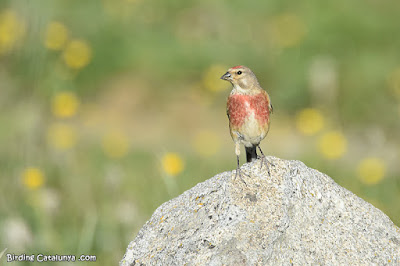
x=251, y=153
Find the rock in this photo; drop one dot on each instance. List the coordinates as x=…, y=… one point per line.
x=295, y=216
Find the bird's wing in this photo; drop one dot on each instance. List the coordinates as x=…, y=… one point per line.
x=270, y=107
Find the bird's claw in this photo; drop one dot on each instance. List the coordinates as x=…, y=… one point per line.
x=239, y=173
x=267, y=164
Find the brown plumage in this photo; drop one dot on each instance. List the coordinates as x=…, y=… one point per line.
x=248, y=109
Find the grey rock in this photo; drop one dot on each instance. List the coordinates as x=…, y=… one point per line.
x=296, y=215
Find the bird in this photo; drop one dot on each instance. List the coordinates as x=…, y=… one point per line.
x=248, y=108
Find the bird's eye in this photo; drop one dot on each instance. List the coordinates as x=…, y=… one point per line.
x=239, y=72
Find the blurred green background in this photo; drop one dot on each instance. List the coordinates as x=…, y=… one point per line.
x=110, y=108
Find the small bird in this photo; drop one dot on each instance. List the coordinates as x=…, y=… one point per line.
x=248, y=109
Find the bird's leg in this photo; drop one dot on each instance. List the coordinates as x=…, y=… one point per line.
x=267, y=163
x=238, y=172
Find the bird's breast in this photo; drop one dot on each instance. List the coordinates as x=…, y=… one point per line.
x=242, y=107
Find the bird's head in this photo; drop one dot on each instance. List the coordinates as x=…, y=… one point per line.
x=241, y=77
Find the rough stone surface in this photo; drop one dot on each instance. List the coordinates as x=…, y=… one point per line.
x=295, y=216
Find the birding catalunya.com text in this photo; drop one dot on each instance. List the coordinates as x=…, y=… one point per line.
x=48, y=258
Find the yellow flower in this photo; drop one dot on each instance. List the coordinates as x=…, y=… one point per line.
x=206, y=143
x=61, y=136
x=56, y=36
x=211, y=78
x=77, y=54
x=309, y=121
x=172, y=164
x=332, y=145
x=32, y=178
x=65, y=104
x=115, y=144
x=287, y=30
x=12, y=28
x=371, y=171
x=394, y=82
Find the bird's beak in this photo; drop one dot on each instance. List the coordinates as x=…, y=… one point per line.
x=226, y=76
